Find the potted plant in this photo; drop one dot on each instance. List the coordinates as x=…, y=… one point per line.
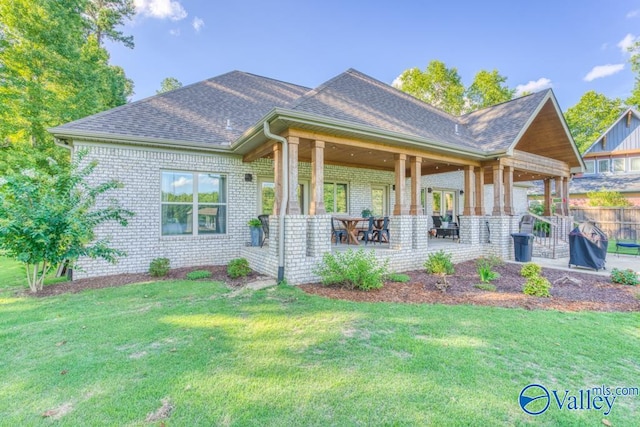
x=366, y=213
x=256, y=228
x=445, y=221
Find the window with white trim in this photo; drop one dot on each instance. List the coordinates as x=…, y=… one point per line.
x=335, y=197
x=590, y=166
x=618, y=165
x=603, y=166
x=193, y=203
x=634, y=164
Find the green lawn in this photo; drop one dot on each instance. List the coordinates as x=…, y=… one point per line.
x=280, y=357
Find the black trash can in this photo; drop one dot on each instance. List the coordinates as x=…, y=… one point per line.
x=522, y=246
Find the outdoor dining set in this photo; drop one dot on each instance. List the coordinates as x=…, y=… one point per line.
x=356, y=230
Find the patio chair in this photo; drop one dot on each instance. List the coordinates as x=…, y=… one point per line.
x=337, y=233
x=264, y=221
x=627, y=238
x=384, y=231
x=526, y=224
x=368, y=234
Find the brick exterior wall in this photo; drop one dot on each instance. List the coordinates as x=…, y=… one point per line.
x=306, y=238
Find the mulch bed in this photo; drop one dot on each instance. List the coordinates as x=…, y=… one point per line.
x=218, y=273
x=571, y=291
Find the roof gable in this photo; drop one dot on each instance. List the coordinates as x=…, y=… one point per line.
x=619, y=136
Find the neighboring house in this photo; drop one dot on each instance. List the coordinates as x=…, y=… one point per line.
x=198, y=162
x=612, y=162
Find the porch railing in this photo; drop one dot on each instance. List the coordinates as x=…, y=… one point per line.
x=550, y=232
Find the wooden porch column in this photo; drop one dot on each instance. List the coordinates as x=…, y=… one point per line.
x=416, y=174
x=400, y=164
x=293, y=207
x=479, y=193
x=560, y=194
x=317, y=179
x=508, y=190
x=566, y=195
x=498, y=190
x=547, y=197
x=468, y=190
x=277, y=176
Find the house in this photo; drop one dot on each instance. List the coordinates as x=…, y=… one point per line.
x=612, y=162
x=198, y=162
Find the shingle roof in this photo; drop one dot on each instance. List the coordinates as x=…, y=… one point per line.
x=196, y=113
x=623, y=183
x=496, y=128
x=355, y=97
x=200, y=112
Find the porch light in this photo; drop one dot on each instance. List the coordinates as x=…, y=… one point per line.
x=248, y=177
x=429, y=190
x=461, y=192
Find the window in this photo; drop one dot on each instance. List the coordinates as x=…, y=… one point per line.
x=379, y=200
x=603, y=166
x=267, y=196
x=618, y=165
x=335, y=197
x=193, y=203
x=591, y=166
x=634, y=164
x=444, y=203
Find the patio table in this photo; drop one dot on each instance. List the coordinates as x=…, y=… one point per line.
x=350, y=224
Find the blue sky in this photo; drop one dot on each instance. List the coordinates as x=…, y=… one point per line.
x=570, y=46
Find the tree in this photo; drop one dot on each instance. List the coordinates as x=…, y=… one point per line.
x=169, y=83
x=437, y=85
x=634, y=99
x=47, y=219
x=607, y=198
x=590, y=117
x=103, y=16
x=488, y=88
x=51, y=73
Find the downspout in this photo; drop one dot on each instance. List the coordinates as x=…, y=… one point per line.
x=285, y=196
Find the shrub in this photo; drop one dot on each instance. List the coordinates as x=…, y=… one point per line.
x=530, y=269
x=485, y=287
x=159, y=267
x=625, y=277
x=439, y=263
x=198, y=274
x=238, y=267
x=398, y=278
x=537, y=286
x=353, y=270
x=485, y=266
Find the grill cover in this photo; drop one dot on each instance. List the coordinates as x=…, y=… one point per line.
x=588, y=246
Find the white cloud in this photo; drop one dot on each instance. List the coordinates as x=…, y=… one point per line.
x=182, y=181
x=633, y=13
x=197, y=24
x=175, y=32
x=626, y=43
x=161, y=9
x=533, y=86
x=600, y=71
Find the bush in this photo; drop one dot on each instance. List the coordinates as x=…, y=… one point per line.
x=353, y=270
x=625, y=277
x=198, y=274
x=486, y=287
x=485, y=266
x=238, y=267
x=537, y=286
x=159, y=267
x=530, y=269
x=398, y=278
x=439, y=263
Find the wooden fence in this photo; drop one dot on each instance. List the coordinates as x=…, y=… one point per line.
x=621, y=222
